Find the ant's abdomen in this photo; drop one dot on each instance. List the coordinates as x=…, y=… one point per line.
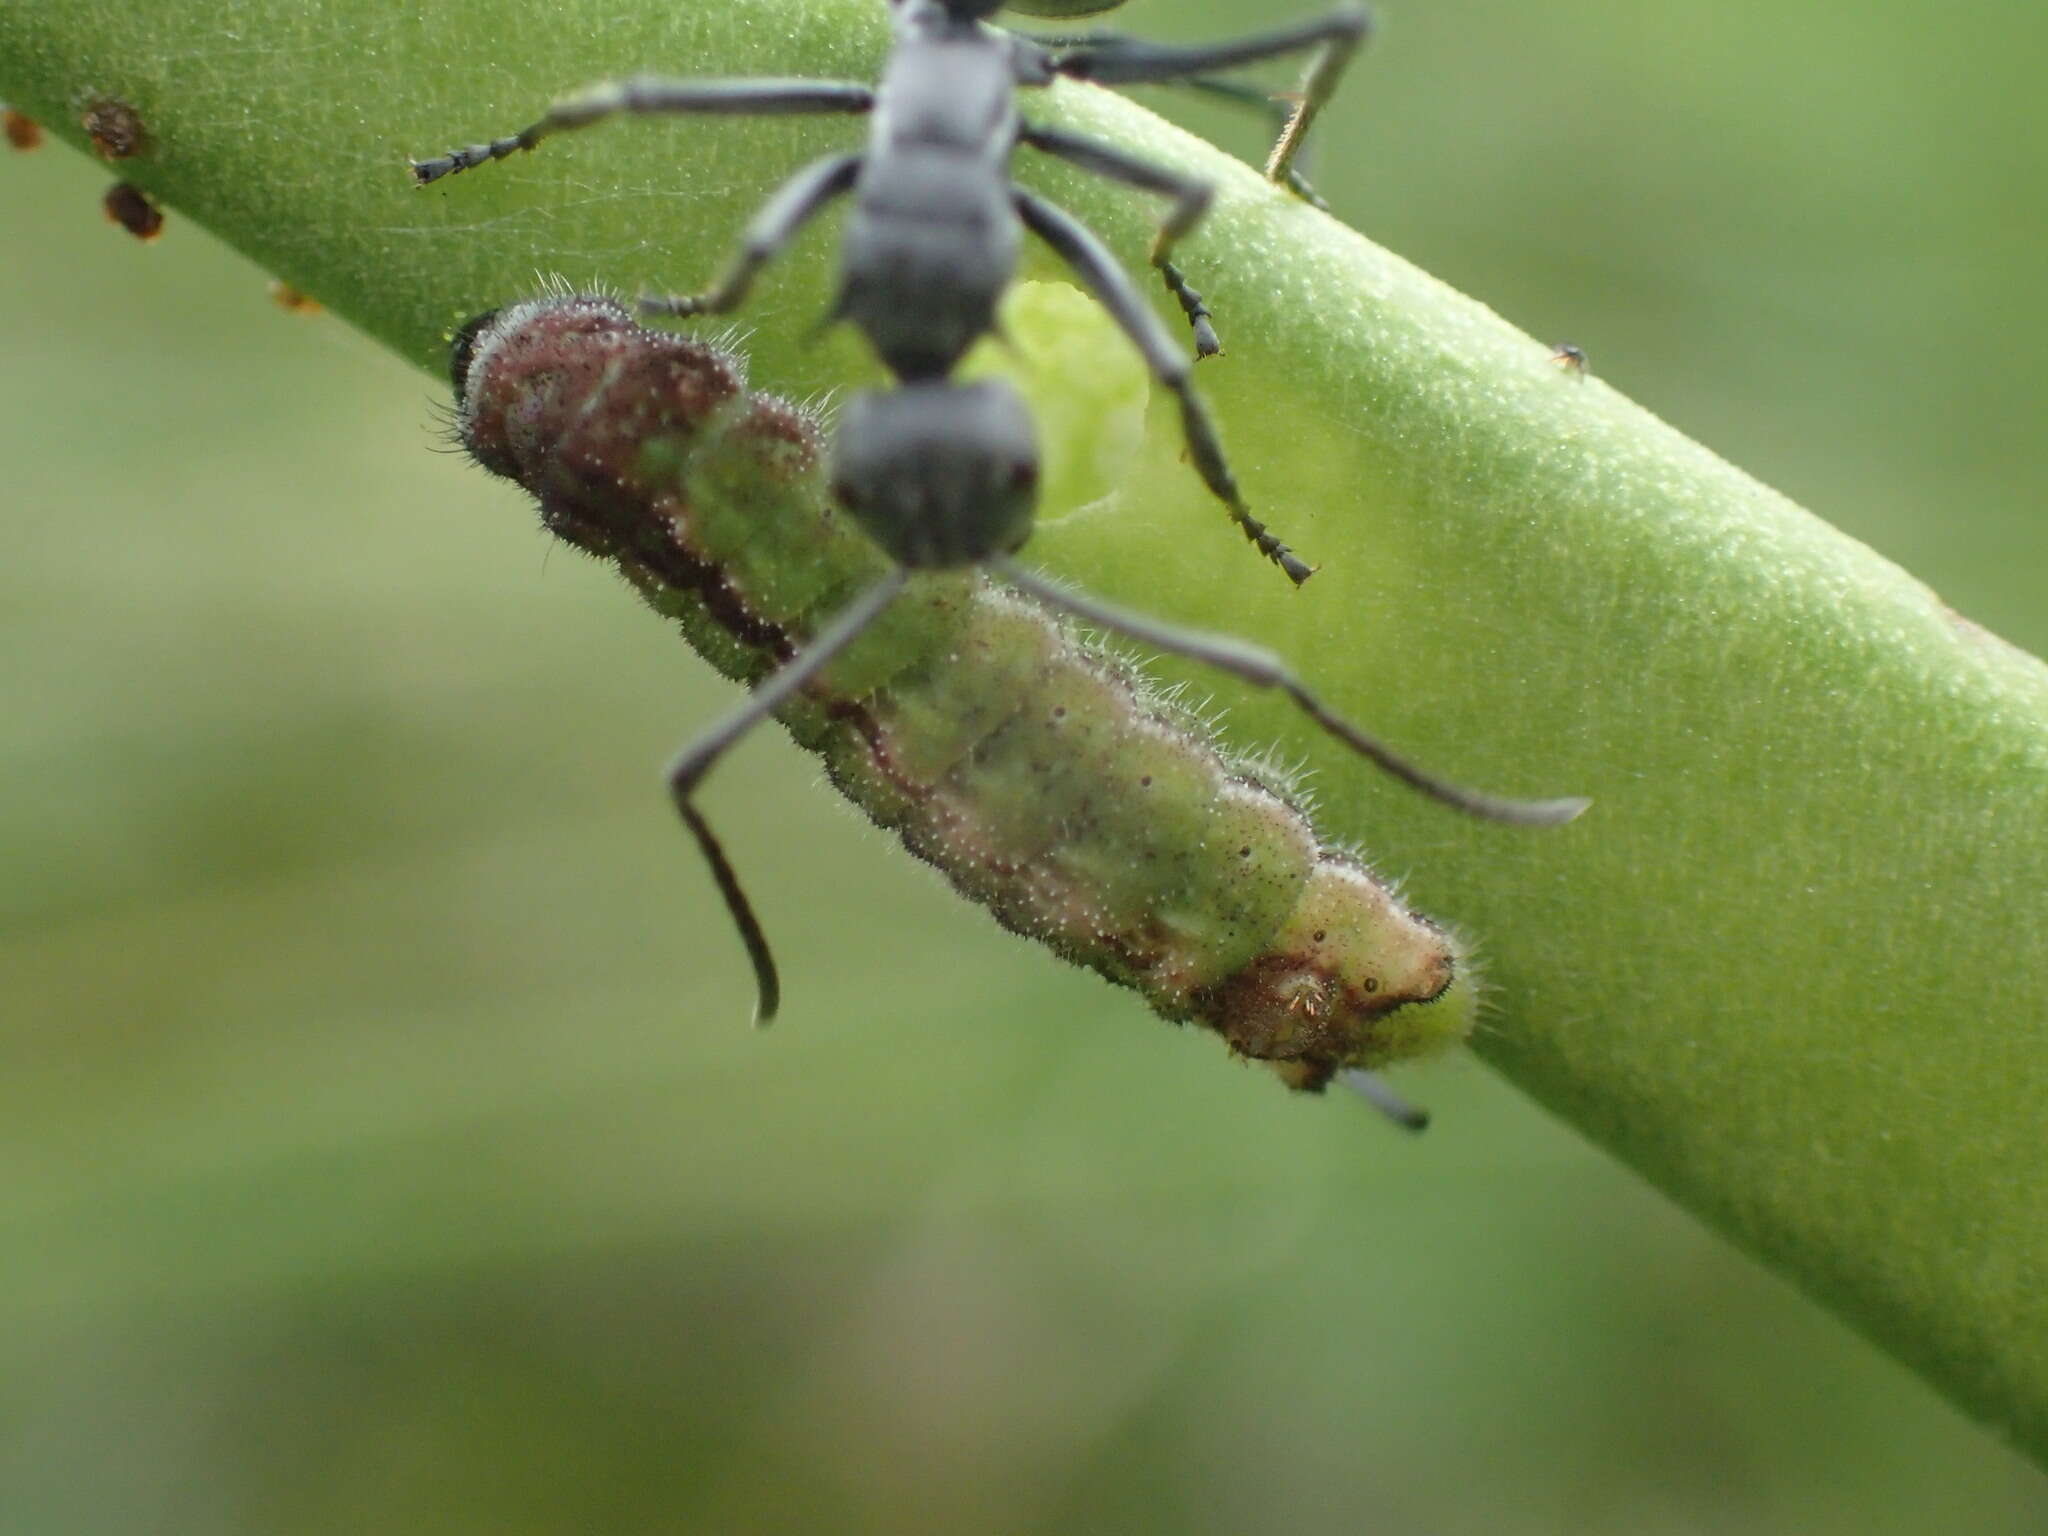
x=1044, y=777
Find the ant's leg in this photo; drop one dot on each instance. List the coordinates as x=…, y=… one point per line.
x=1191, y=197
x=1276, y=110
x=778, y=223
x=1374, y=1089
x=1072, y=241
x=701, y=755
x=1130, y=61
x=648, y=94
x=1262, y=669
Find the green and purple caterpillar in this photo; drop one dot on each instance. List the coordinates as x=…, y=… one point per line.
x=1044, y=777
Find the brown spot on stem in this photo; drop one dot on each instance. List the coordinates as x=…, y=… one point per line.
x=128, y=206
x=22, y=131
x=115, y=129
x=291, y=300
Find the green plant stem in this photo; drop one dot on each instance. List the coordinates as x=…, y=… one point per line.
x=1790, y=965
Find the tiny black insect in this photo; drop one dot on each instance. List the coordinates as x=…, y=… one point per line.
x=933, y=239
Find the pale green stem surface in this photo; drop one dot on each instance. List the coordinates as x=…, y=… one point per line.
x=1790, y=966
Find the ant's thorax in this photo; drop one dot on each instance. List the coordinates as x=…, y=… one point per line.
x=933, y=237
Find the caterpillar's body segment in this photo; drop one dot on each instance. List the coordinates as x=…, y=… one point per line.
x=1041, y=776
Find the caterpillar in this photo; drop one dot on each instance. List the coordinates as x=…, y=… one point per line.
x=1040, y=774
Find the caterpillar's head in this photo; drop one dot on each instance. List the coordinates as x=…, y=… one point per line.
x=939, y=474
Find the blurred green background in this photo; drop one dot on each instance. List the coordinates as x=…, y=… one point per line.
x=382, y=1145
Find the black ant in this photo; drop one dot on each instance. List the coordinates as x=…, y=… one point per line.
x=933, y=239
